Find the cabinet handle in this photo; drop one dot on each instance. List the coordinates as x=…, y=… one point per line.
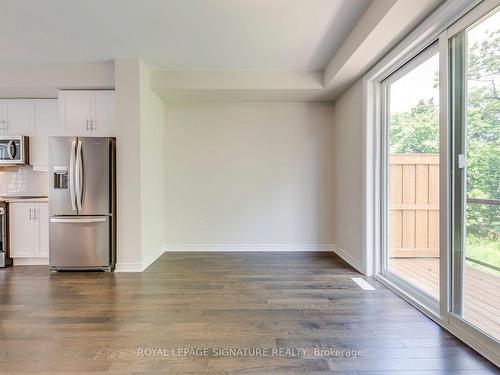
x=92, y=124
x=36, y=214
x=88, y=125
x=31, y=214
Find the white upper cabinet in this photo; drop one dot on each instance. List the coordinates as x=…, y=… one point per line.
x=3, y=116
x=16, y=117
x=87, y=112
x=36, y=118
x=75, y=111
x=45, y=125
x=104, y=115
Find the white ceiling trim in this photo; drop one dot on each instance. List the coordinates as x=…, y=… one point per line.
x=43, y=80
x=382, y=26
x=384, y=23
x=250, y=35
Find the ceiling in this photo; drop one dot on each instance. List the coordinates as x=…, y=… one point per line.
x=252, y=35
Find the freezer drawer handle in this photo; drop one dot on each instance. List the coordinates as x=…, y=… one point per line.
x=78, y=221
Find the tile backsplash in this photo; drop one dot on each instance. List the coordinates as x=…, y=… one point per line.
x=24, y=181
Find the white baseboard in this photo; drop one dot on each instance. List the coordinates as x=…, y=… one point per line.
x=31, y=261
x=247, y=247
x=128, y=267
x=140, y=267
x=152, y=258
x=355, y=263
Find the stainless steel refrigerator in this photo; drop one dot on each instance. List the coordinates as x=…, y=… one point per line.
x=82, y=203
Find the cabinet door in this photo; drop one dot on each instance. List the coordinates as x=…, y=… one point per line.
x=75, y=111
x=42, y=218
x=104, y=114
x=45, y=114
x=22, y=230
x=19, y=117
x=3, y=116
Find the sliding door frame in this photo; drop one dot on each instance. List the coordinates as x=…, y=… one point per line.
x=421, y=296
x=449, y=19
x=454, y=41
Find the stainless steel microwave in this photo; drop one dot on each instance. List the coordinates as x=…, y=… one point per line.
x=14, y=150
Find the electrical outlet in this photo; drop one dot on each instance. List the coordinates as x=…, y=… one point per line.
x=203, y=224
x=349, y=231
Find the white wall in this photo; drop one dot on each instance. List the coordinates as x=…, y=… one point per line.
x=347, y=197
x=249, y=173
x=140, y=171
x=152, y=176
x=128, y=165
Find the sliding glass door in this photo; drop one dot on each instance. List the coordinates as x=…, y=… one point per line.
x=475, y=77
x=436, y=110
x=411, y=164
x=440, y=176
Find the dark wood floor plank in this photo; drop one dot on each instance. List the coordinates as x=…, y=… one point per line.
x=82, y=323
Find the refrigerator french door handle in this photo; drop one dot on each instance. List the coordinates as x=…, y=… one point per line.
x=79, y=176
x=72, y=175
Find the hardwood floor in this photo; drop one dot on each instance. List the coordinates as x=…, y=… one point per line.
x=481, y=289
x=111, y=323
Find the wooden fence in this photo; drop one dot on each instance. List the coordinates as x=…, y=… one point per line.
x=414, y=205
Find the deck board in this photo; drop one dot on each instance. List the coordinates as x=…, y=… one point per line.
x=482, y=289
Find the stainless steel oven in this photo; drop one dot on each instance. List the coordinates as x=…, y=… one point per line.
x=5, y=260
x=14, y=150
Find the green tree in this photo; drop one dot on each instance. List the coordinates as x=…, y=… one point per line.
x=417, y=130
x=483, y=135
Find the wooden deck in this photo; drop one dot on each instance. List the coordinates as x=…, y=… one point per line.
x=482, y=289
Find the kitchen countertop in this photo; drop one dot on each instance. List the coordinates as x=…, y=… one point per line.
x=24, y=199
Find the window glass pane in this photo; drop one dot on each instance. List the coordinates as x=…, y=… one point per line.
x=413, y=175
x=481, y=284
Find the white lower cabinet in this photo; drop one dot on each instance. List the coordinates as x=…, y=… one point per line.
x=29, y=229
x=43, y=229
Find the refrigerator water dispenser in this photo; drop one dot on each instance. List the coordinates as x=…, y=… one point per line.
x=60, y=177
